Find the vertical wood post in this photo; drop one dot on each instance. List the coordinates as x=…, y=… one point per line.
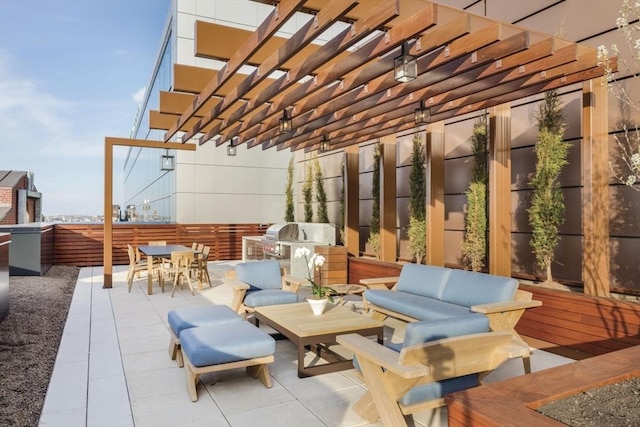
x=352, y=200
x=388, y=234
x=595, y=196
x=107, y=250
x=500, y=190
x=435, y=194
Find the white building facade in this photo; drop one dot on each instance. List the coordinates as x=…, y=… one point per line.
x=207, y=185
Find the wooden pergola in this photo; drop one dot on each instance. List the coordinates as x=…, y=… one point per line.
x=342, y=89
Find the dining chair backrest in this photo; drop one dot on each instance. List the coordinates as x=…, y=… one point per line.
x=132, y=254
x=200, y=247
x=181, y=258
x=194, y=246
x=205, y=252
x=157, y=243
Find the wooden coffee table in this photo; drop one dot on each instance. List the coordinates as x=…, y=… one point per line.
x=301, y=327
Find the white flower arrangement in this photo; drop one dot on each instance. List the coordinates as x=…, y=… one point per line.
x=314, y=262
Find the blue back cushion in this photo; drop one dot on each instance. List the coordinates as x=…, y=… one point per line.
x=470, y=288
x=260, y=274
x=426, y=280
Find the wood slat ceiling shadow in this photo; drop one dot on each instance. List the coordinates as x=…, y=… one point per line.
x=344, y=90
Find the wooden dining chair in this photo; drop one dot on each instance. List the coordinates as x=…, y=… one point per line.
x=136, y=265
x=199, y=266
x=157, y=243
x=178, y=267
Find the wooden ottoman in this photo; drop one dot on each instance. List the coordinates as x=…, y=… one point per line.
x=226, y=346
x=193, y=317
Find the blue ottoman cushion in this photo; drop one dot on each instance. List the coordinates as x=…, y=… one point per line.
x=232, y=342
x=187, y=318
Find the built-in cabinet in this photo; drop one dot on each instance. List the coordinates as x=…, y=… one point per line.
x=334, y=269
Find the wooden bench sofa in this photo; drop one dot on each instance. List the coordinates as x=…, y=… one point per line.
x=428, y=293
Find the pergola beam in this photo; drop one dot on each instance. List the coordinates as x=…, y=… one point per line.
x=109, y=143
x=377, y=103
x=276, y=19
x=381, y=45
x=312, y=29
x=346, y=39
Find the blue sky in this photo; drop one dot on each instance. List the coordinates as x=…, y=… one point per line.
x=71, y=73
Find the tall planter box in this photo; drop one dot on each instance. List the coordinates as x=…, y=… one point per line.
x=5, y=240
x=334, y=269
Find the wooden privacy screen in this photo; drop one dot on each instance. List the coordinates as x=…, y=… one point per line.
x=82, y=244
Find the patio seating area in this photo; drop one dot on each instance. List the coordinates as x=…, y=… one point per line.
x=113, y=367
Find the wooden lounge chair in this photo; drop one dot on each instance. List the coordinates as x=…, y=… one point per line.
x=260, y=283
x=417, y=378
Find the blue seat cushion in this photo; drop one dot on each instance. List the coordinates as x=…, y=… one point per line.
x=471, y=288
x=260, y=274
x=426, y=280
x=417, y=307
x=437, y=390
x=421, y=332
x=232, y=342
x=270, y=297
x=186, y=318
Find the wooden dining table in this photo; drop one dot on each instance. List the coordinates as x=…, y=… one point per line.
x=156, y=252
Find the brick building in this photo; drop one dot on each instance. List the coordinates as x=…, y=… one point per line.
x=20, y=201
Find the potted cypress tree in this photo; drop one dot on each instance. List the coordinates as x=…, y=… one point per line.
x=547, y=208
x=474, y=246
x=321, y=195
x=374, y=230
x=417, y=230
x=289, y=213
x=307, y=194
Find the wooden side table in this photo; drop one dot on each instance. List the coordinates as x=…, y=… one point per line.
x=347, y=289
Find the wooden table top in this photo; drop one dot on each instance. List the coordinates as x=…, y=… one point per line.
x=299, y=319
x=162, y=250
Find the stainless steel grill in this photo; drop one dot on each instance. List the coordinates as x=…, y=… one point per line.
x=277, y=233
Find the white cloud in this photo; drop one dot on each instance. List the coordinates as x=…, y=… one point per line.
x=138, y=97
x=24, y=105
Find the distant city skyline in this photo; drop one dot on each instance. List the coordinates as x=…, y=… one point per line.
x=71, y=73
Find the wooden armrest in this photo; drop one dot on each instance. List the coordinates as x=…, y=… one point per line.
x=292, y=283
x=380, y=355
x=499, y=307
x=378, y=282
x=237, y=284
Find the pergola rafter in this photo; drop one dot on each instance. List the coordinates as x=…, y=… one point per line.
x=344, y=88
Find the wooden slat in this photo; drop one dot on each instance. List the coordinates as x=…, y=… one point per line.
x=82, y=244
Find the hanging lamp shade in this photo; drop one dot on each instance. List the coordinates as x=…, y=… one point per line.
x=286, y=125
x=405, y=66
x=422, y=115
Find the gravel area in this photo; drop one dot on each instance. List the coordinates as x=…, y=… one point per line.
x=29, y=340
x=614, y=405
